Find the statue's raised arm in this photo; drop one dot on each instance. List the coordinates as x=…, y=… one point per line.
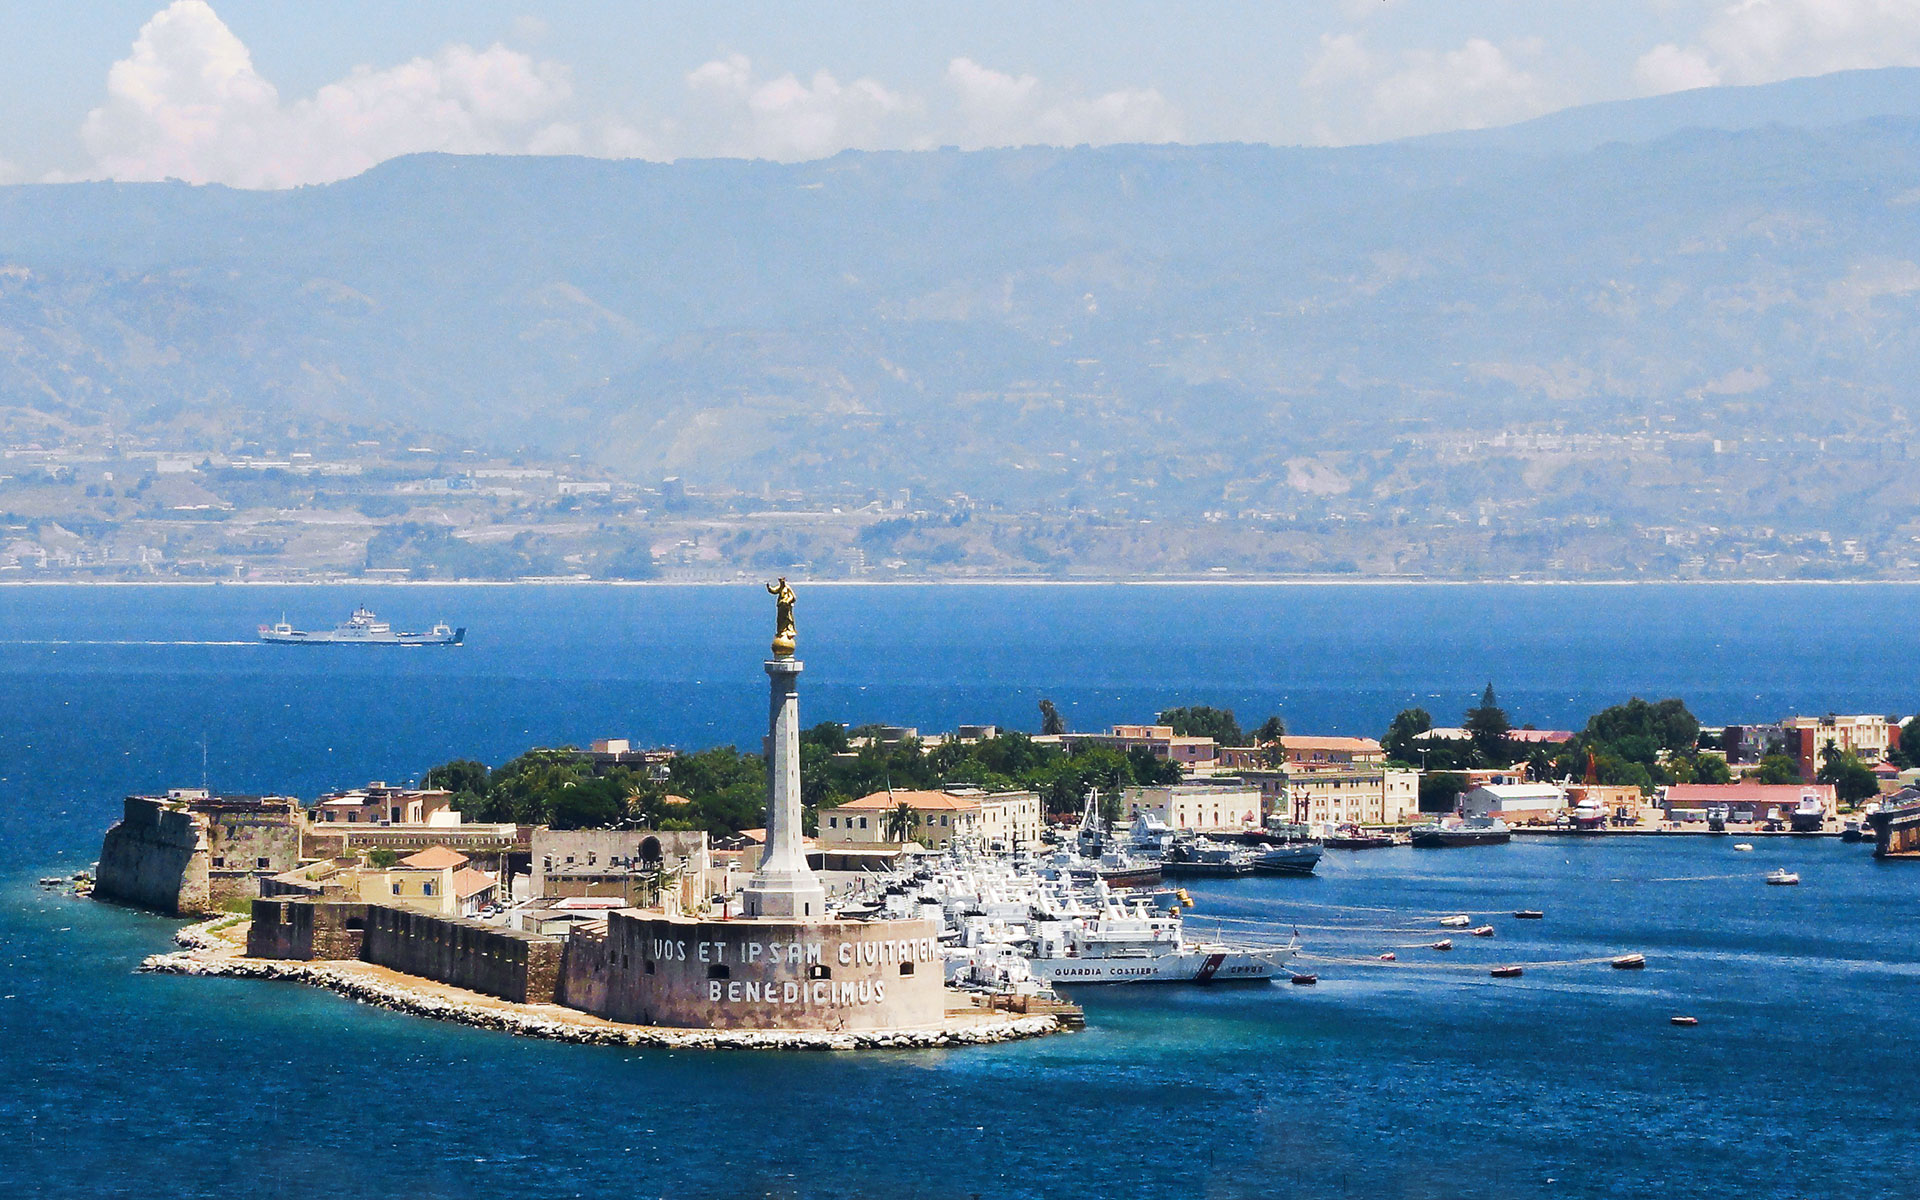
x=783, y=641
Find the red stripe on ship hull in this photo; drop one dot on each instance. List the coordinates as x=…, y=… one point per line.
x=1209, y=967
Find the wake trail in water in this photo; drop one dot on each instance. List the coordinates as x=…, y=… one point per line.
x=115, y=642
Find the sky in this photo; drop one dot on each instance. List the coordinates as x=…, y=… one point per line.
x=280, y=93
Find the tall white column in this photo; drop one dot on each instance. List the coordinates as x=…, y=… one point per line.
x=784, y=886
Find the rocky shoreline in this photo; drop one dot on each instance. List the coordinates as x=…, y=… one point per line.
x=202, y=955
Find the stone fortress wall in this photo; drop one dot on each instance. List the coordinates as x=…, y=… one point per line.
x=522, y=967
x=156, y=858
x=187, y=855
x=843, y=976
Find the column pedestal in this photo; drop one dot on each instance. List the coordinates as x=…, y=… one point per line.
x=784, y=887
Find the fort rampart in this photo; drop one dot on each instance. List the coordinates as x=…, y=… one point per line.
x=846, y=976
x=522, y=967
x=156, y=857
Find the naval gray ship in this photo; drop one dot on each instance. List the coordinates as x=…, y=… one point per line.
x=362, y=629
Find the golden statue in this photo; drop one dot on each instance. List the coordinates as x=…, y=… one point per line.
x=783, y=618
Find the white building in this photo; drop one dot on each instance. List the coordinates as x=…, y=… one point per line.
x=1196, y=807
x=1515, y=802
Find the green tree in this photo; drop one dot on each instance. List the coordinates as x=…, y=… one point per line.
x=1853, y=781
x=1487, y=726
x=901, y=822
x=1440, y=790
x=1409, y=724
x=458, y=776
x=1778, y=768
x=1711, y=768
x=1910, y=739
x=587, y=804
x=380, y=858
x=1051, y=723
x=1271, y=731
x=1639, y=730
x=1202, y=720
x=728, y=789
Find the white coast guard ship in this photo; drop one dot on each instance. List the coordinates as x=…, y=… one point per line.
x=362, y=629
x=1135, y=944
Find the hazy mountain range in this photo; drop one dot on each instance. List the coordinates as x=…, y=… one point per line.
x=1168, y=330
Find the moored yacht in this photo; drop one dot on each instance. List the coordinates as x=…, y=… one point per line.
x=1467, y=831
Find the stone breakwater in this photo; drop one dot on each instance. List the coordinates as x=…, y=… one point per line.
x=201, y=957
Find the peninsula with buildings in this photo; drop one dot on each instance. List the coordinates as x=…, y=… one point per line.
x=873, y=887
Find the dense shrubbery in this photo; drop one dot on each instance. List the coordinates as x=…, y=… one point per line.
x=726, y=789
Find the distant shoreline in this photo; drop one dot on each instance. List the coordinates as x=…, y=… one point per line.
x=1340, y=581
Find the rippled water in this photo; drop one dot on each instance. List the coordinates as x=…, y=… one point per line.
x=1425, y=1078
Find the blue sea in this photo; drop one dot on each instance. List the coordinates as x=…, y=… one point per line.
x=1423, y=1078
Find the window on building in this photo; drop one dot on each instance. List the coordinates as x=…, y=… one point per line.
x=426, y=889
x=833, y=822
x=396, y=888
x=219, y=862
x=260, y=862
x=719, y=971
x=863, y=822
x=906, y=968
x=817, y=971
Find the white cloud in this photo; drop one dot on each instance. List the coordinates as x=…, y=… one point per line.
x=1357, y=95
x=187, y=103
x=994, y=108
x=1759, y=41
x=1668, y=68
x=788, y=119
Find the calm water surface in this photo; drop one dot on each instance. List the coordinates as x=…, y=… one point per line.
x=1427, y=1078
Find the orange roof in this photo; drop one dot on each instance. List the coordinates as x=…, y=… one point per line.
x=468, y=882
x=435, y=858
x=924, y=801
x=670, y=798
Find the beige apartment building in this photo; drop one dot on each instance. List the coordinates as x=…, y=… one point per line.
x=1198, y=807
x=1007, y=820
x=1354, y=796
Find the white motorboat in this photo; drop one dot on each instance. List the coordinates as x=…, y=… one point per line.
x=1743, y=846
x=1781, y=877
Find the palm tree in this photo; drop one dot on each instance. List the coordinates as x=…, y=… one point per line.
x=902, y=821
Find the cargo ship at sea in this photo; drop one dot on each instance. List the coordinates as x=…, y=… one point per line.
x=363, y=628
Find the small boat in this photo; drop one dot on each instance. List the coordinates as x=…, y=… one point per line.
x=1305, y=980
x=1456, y=922
x=1852, y=831
x=1630, y=962
x=1443, y=944
x=1781, y=877
x=1529, y=914
x=1389, y=956
x=1288, y=858
x=51, y=881
x=1352, y=837
x=1483, y=931
x=1743, y=846
x=1505, y=972
x=1810, y=815
x=1470, y=831
x=1683, y=1020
